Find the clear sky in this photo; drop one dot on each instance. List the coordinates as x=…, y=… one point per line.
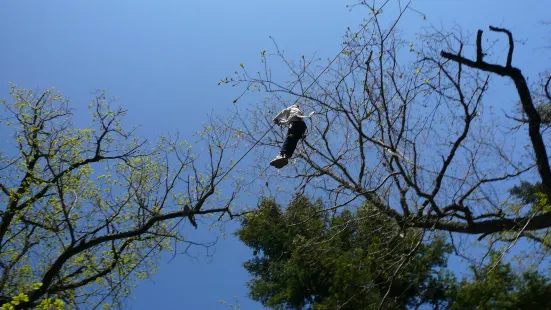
x=163, y=60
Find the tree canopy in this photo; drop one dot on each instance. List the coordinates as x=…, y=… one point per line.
x=86, y=211
x=307, y=259
x=406, y=130
x=303, y=257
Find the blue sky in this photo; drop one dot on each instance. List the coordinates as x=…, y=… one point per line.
x=163, y=60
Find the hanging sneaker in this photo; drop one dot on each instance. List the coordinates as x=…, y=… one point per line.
x=280, y=161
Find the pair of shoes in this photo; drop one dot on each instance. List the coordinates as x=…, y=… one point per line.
x=280, y=161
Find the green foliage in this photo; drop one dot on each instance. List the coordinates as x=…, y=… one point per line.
x=544, y=110
x=527, y=192
x=86, y=211
x=303, y=257
x=496, y=286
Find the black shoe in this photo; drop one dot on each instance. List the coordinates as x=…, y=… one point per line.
x=280, y=161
